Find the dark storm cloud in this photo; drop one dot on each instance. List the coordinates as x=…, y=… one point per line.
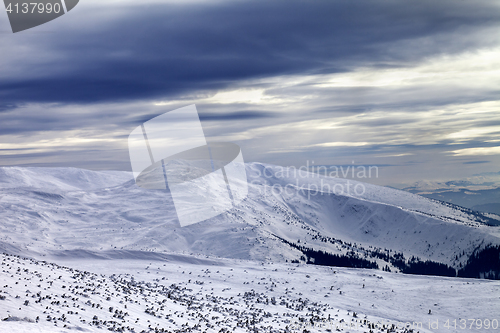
x=243, y=115
x=476, y=162
x=208, y=116
x=142, y=52
x=7, y=107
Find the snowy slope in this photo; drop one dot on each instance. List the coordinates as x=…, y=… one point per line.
x=60, y=179
x=65, y=212
x=197, y=294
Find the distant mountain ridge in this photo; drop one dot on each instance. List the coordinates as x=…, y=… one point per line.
x=480, y=193
x=74, y=212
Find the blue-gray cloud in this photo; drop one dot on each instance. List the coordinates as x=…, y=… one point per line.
x=242, y=115
x=170, y=50
x=476, y=162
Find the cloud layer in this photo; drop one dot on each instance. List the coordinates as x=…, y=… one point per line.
x=373, y=81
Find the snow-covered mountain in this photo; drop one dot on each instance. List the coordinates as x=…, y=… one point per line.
x=81, y=213
x=229, y=273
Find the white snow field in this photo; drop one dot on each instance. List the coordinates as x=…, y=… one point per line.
x=199, y=294
x=124, y=264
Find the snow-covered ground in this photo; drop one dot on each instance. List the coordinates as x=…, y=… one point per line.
x=202, y=294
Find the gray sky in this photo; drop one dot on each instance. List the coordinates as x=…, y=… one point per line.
x=412, y=87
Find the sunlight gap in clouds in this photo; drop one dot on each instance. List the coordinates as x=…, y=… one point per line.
x=468, y=134
x=342, y=144
x=477, y=151
x=482, y=67
x=43, y=141
x=238, y=96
